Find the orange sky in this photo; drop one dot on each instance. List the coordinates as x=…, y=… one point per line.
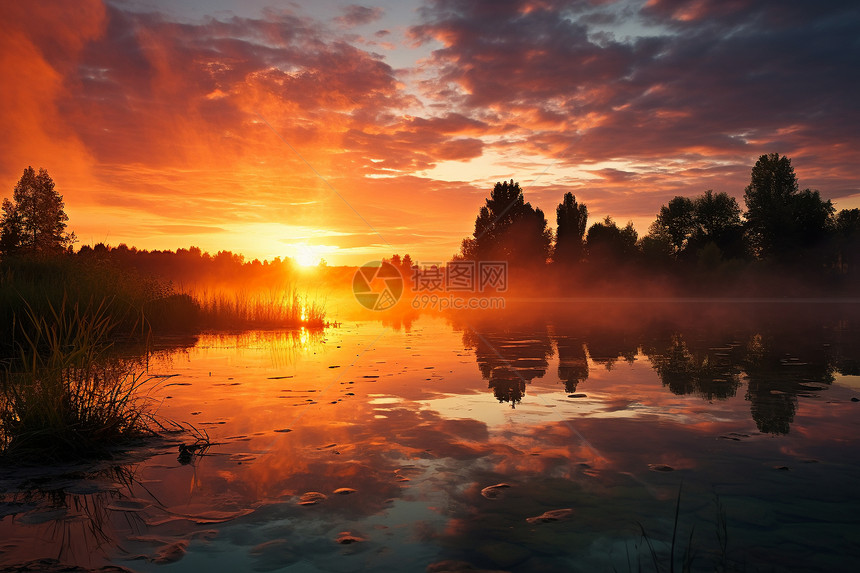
x=352, y=132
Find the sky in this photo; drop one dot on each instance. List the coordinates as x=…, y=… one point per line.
x=330, y=129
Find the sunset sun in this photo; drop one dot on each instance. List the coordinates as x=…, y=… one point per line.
x=307, y=255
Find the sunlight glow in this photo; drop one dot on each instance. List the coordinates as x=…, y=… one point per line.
x=308, y=255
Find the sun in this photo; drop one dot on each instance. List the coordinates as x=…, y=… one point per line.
x=307, y=255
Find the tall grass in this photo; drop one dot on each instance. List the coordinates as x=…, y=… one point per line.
x=138, y=305
x=267, y=308
x=666, y=560
x=45, y=286
x=61, y=397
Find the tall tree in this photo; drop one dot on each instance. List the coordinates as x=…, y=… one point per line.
x=768, y=198
x=717, y=219
x=675, y=223
x=11, y=229
x=812, y=219
x=36, y=221
x=608, y=244
x=714, y=215
x=571, y=220
x=508, y=228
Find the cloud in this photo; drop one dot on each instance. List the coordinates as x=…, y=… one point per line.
x=706, y=84
x=254, y=120
x=356, y=15
x=191, y=123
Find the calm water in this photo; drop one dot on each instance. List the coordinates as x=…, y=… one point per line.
x=590, y=423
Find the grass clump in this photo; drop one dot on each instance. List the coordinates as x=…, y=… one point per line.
x=266, y=309
x=61, y=398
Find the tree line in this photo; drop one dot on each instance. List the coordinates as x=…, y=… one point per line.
x=34, y=224
x=795, y=230
x=781, y=226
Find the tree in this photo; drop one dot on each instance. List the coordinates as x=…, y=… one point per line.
x=36, y=221
x=715, y=215
x=675, y=223
x=847, y=238
x=509, y=229
x=609, y=244
x=11, y=228
x=717, y=220
x=768, y=198
x=571, y=219
x=657, y=251
x=812, y=219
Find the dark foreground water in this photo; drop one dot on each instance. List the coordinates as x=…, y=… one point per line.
x=551, y=439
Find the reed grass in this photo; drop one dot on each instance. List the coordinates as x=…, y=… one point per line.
x=61, y=398
x=138, y=305
x=46, y=286
x=285, y=307
x=661, y=562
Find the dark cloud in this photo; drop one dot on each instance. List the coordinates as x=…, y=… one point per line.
x=412, y=144
x=356, y=15
x=154, y=90
x=719, y=82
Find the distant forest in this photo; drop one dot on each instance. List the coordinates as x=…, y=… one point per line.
x=192, y=266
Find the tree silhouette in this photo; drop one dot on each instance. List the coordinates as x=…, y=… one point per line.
x=608, y=244
x=657, y=251
x=687, y=226
x=571, y=219
x=36, y=221
x=675, y=223
x=717, y=219
x=11, y=229
x=402, y=264
x=768, y=198
x=781, y=223
x=509, y=229
x=847, y=239
x=812, y=219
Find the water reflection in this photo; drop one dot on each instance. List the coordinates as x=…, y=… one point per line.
x=509, y=359
x=81, y=514
x=284, y=347
x=398, y=436
x=572, y=359
x=778, y=358
x=700, y=367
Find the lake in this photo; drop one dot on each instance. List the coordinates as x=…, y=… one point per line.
x=549, y=437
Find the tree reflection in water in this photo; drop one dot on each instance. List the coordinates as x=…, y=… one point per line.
x=780, y=356
x=510, y=359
